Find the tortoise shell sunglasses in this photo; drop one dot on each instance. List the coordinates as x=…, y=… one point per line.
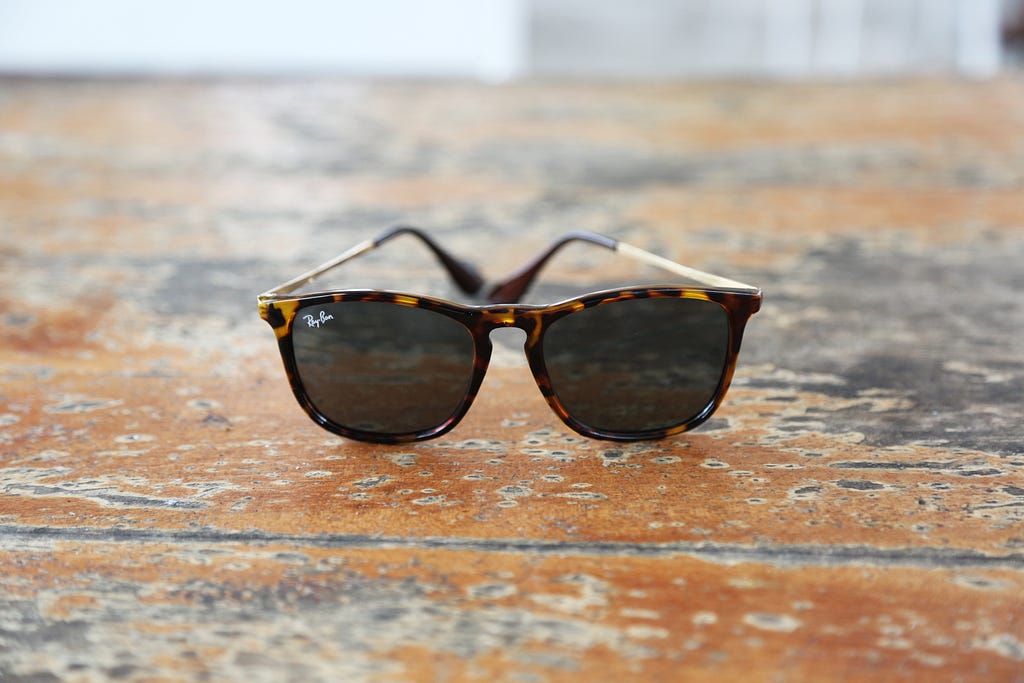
x=640, y=362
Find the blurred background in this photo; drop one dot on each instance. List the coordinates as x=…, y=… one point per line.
x=497, y=40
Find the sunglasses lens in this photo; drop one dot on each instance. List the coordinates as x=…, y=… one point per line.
x=638, y=365
x=380, y=367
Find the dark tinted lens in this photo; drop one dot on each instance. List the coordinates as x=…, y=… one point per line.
x=638, y=365
x=381, y=367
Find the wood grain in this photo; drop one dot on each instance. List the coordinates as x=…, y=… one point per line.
x=853, y=512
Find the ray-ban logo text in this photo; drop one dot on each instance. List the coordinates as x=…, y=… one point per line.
x=317, y=321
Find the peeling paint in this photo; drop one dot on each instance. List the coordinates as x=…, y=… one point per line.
x=167, y=512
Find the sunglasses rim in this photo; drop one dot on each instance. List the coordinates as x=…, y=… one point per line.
x=481, y=320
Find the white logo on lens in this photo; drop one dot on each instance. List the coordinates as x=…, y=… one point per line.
x=314, y=321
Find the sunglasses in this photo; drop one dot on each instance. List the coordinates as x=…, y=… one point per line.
x=642, y=362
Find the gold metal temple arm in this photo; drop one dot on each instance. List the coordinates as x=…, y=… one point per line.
x=512, y=289
x=679, y=269
x=464, y=274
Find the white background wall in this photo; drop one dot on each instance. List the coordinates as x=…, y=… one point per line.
x=500, y=39
x=380, y=37
x=774, y=38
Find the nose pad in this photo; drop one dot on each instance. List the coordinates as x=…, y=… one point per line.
x=508, y=343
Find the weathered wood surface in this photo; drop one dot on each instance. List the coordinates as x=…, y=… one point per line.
x=853, y=512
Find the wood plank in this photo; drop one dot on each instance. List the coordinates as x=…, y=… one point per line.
x=168, y=512
x=185, y=609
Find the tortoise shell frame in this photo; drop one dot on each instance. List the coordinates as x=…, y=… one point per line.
x=280, y=309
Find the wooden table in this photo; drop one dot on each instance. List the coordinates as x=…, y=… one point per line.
x=855, y=510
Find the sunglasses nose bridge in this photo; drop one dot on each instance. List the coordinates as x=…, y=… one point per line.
x=498, y=317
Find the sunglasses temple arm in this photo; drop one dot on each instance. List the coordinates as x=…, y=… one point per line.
x=685, y=271
x=512, y=289
x=464, y=274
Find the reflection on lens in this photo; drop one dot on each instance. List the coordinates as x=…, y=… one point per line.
x=381, y=367
x=638, y=365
